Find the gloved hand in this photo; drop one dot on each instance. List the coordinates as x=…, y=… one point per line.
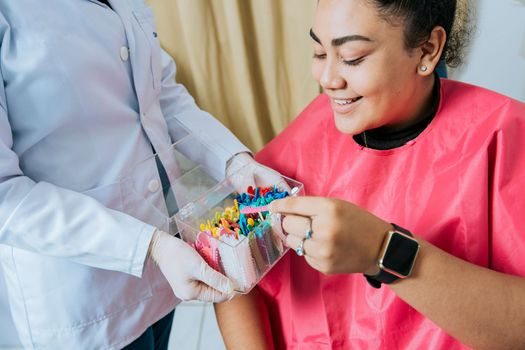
x=245, y=171
x=187, y=273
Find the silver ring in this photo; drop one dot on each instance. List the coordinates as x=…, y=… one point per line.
x=309, y=232
x=300, y=249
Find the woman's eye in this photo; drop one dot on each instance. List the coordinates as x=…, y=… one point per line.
x=353, y=62
x=319, y=56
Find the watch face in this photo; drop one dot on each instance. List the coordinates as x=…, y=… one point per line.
x=400, y=254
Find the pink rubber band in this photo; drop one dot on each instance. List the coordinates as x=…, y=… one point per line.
x=254, y=210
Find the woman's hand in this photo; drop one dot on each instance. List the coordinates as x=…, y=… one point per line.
x=345, y=238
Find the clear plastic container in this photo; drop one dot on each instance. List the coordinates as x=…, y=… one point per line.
x=246, y=259
x=180, y=187
x=158, y=186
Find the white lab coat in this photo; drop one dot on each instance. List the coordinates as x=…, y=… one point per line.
x=87, y=93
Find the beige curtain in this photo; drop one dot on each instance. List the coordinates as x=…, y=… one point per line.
x=245, y=61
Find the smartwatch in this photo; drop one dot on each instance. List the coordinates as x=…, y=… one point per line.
x=397, y=257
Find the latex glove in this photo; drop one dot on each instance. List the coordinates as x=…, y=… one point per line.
x=245, y=171
x=186, y=271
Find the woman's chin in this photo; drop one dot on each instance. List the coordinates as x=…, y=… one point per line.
x=347, y=125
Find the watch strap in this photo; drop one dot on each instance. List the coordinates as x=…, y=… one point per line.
x=382, y=277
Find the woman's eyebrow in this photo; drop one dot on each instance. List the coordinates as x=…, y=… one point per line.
x=342, y=40
x=313, y=36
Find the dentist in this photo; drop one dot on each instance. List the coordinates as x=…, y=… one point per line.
x=88, y=94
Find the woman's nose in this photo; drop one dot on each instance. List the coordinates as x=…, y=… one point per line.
x=331, y=79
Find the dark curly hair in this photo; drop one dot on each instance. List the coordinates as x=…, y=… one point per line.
x=421, y=16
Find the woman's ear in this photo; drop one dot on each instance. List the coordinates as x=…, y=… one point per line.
x=431, y=51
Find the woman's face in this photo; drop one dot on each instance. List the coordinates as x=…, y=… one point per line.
x=362, y=64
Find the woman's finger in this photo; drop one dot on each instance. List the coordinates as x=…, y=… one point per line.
x=302, y=205
x=309, y=247
x=297, y=225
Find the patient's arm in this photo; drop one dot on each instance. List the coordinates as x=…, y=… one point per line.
x=244, y=323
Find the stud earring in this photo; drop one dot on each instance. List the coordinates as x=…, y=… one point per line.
x=423, y=68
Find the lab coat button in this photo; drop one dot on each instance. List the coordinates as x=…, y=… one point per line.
x=124, y=53
x=153, y=186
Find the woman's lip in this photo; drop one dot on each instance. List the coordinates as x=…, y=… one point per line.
x=344, y=105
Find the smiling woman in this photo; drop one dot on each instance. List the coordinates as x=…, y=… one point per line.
x=414, y=203
x=354, y=60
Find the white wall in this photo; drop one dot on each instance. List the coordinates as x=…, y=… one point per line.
x=496, y=57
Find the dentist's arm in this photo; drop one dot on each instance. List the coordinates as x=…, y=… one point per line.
x=41, y=217
x=44, y=218
x=179, y=108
